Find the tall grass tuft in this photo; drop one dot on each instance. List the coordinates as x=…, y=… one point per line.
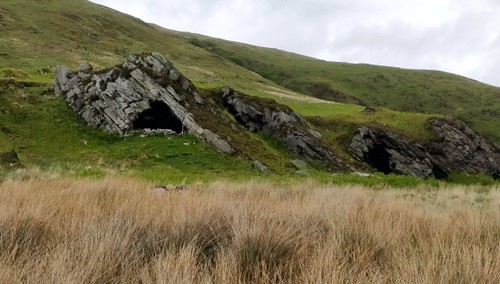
x=122, y=231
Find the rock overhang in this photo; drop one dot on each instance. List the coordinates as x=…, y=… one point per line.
x=123, y=98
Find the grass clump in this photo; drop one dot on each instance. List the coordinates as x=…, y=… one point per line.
x=121, y=230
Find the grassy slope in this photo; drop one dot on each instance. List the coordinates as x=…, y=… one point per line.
x=47, y=134
x=43, y=130
x=41, y=34
x=394, y=88
x=105, y=37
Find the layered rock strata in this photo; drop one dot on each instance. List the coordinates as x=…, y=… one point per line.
x=144, y=92
x=455, y=148
x=147, y=92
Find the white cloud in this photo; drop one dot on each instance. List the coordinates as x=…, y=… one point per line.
x=458, y=36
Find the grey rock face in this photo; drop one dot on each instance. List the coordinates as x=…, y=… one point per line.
x=279, y=121
x=65, y=80
x=390, y=153
x=456, y=148
x=85, y=70
x=144, y=92
x=459, y=148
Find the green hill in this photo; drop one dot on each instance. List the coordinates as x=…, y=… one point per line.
x=37, y=35
x=406, y=90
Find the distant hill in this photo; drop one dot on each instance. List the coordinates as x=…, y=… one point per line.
x=425, y=91
x=39, y=34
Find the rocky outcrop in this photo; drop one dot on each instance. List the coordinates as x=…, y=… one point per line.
x=455, y=148
x=391, y=153
x=145, y=92
x=459, y=148
x=266, y=117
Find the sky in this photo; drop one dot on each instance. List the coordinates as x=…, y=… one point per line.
x=457, y=36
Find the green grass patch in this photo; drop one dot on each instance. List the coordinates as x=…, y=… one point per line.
x=412, y=125
x=46, y=133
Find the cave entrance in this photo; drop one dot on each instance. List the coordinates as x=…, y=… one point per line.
x=158, y=116
x=379, y=159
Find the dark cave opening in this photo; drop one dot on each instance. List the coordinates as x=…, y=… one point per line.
x=378, y=158
x=438, y=172
x=159, y=116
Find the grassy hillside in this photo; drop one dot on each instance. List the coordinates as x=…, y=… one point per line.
x=424, y=91
x=48, y=135
x=37, y=35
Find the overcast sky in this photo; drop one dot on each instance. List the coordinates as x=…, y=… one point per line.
x=458, y=36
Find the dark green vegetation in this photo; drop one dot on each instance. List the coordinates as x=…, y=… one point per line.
x=37, y=35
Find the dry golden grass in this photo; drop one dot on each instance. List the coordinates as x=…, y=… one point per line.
x=121, y=231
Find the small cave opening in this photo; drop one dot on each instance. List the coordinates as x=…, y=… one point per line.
x=158, y=116
x=378, y=157
x=438, y=172
x=232, y=110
